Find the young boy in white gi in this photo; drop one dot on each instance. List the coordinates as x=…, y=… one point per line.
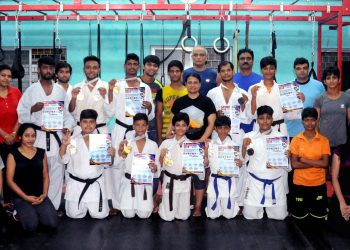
x=265, y=188
x=176, y=186
x=136, y=199
x=222, y=192
x=85, y=191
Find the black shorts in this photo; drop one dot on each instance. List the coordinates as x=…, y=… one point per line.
x=198, y=183
x=307, y=201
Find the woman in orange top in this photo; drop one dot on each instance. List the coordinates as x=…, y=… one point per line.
x=9, y=98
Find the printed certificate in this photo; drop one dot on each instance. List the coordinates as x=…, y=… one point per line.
x=289, y=99
x=52, y=115
x=193, y=157
x=233, y=112
x=276, y=147
x=140, y=171
x=98, y=146
x=134, y=98
x=226, y=160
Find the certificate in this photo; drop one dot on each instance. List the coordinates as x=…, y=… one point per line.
x=52, y=115
x=193, y=157
x=289, y=98
x=134, y=98
x=233, y=112
x=98, y=146
x=226, y=160
x=276, y=147
x=140, y=171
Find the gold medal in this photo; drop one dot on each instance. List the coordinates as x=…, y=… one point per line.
x=116, y=90
x=80, y=96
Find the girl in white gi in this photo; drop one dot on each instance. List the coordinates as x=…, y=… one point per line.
x=223, y=191
x=176, y=186
x=267, y=92
x=136, y=199
x=265, y=188
x=85, y=191
x=30, y=111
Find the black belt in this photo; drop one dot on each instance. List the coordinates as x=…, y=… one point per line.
x=128, y=127
x=171, y=185
x=48, y=133
x=278, y=122
x=128, y=176
x=88, y=182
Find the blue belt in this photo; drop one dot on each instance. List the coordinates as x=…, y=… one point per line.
x=267, y=182
x=226, y=178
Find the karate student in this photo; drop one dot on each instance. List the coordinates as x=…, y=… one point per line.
x=85, y=191
x=310, y=152
x=228, y=93
x=63, y=72
x=30, y=111
x=223, y=191
x=116, y=97
x=91, y=94
x=265, y=188
x=136, y=199
x=176, y=186
x=267, y=92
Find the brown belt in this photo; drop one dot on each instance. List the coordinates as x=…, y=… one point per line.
x=128, y=176
x=171, y=185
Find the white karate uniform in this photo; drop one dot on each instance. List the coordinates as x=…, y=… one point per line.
x=68, y=94
x=92, y=100
x=271, y=99
x=79, y=166
x=254, y=190
x=117, y=109
x=131, y=206
x=35, y=93
x=224, y=193
x=182, y=189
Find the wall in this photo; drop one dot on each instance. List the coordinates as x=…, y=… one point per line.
x=293, y=40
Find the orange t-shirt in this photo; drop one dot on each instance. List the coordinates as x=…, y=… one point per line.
x=312, y=150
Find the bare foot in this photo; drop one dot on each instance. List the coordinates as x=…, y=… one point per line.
x=197, y=212
x=157, y=199
x=113, y=212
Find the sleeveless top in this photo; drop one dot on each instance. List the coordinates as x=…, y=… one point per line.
x=29, y=172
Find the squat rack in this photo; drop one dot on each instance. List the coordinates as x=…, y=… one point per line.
x=325, y=14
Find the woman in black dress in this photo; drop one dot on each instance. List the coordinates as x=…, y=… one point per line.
x=27, y=176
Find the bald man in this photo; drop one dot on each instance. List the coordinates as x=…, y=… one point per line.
x=209, y=77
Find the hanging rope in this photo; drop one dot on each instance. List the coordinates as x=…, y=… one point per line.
x=2, y=53
x=126, y=38
x=98, y=36
x=199, y=32
x=247, y=22
x=142, y=53
x=56, y=40
x=90, y=40
x=273, y=41
x=235, y=41
x=17, y=67
x=162, y=78
x=312, y=70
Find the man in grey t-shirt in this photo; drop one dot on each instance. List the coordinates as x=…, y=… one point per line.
x=333, y=108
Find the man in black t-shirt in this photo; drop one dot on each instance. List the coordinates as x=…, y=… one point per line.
x=202, y=113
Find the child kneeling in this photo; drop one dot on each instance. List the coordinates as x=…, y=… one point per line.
x=176, y=186
x=85, y=189
x=222, y=192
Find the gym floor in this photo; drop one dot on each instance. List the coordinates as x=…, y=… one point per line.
x=119, y=233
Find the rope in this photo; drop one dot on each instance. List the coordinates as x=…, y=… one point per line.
x=2, y=53
x=90, y=41
x=162, y=78
x=126, y=38
x=222, y=42
x=142, y=54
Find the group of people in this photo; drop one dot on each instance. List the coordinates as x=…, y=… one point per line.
x=193, y=109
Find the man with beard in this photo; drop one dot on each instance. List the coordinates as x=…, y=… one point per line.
x=30, y=111
x=150, y=68
x=63, y=73
x=124, y=121
x=246, y=77
x=90, y=94
x=209, y=78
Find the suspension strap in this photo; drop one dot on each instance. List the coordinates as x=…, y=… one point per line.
x=142, y=55
x=312, y=70
x=162, y=78
x=90, y=39
x=126, y=38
